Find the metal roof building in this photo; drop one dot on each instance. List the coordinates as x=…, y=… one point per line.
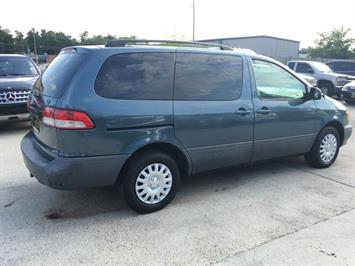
x=277, y=48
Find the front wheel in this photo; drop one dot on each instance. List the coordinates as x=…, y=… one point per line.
x=325, y=149
x=326, y=88
x=151, y=181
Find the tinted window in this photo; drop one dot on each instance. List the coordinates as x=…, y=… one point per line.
x=17, y=66
x=342, y=66
x=137, y=76
x=291, y=65
x=208, y=77
x=58, y=74
x=304, y=68
x=273, y=82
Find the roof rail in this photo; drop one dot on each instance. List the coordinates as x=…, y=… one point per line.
x=124, y=43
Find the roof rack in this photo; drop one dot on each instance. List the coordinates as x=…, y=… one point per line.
x=124, y=43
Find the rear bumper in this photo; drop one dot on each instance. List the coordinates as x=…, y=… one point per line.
x=69, y=172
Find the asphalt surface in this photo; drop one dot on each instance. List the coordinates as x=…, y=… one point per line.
x=277, y=213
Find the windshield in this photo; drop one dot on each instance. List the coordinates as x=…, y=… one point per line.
x=321, y=67
x=13, y=66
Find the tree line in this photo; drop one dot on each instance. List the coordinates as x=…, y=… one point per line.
x=49, y=42
x=334, y=44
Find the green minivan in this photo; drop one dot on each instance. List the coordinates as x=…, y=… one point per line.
x=145, y=113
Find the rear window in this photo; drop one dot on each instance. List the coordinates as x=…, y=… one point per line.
x=59, y=73
x=137, y=76
x=208, y=77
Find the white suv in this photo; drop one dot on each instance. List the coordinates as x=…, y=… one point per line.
x=328, y=81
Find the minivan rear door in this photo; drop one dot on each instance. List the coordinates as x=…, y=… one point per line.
x=49, y=87
x=213, y=115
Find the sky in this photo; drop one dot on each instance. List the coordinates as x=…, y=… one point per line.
x=299, y=20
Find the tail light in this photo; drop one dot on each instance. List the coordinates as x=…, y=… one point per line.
x=66, y=119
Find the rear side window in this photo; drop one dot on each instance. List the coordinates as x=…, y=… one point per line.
x=303, y=68
x=59, y=73
x=342, y=66
x=137, y=76
x=208, y=77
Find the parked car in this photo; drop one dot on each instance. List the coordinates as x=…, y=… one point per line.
x=18, y=73
x=349, y=92
x=328, y=81
x=342, y=66
x=145, y=115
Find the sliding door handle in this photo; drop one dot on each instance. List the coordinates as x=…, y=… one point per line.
x=263, y=111
x=242, y=111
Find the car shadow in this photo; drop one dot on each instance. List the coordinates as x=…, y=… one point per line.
x=13, y=126
x=62, y=205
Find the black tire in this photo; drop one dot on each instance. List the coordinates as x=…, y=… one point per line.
x=137, y=164
x=326, y=87
x=313, y=158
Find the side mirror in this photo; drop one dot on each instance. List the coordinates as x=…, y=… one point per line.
x=315, y=93
x=310, y=71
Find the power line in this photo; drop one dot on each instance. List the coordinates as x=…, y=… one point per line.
x=193, y=20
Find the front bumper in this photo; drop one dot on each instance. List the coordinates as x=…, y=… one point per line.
x=337, y=89
x=348, y=129
x=13, y=112
x=348, y=95
x=15, y=117
x=69, y=172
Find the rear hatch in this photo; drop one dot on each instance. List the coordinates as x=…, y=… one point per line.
x=48, y=89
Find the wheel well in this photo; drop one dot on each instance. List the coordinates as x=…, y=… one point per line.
x=167, y=148
x=338, y=127
x=323, y=81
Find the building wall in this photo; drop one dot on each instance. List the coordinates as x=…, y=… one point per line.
x=279, y=49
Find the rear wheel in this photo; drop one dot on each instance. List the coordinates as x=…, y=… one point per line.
x=151, y=181
x=325, y=149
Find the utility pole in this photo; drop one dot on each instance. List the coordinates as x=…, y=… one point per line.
x=35, y=46
x=193, y=20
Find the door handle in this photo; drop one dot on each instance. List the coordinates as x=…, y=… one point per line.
x=263, y=111
x=242, y=111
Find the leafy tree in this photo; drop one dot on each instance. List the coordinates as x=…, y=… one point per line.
x=334, y=44
x=19, y=43
x=49, y=42
x=6, y=41
x=100, y=39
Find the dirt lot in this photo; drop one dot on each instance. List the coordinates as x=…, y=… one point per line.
x=276, y=213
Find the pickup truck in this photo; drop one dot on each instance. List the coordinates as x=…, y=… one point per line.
x=328, y=81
